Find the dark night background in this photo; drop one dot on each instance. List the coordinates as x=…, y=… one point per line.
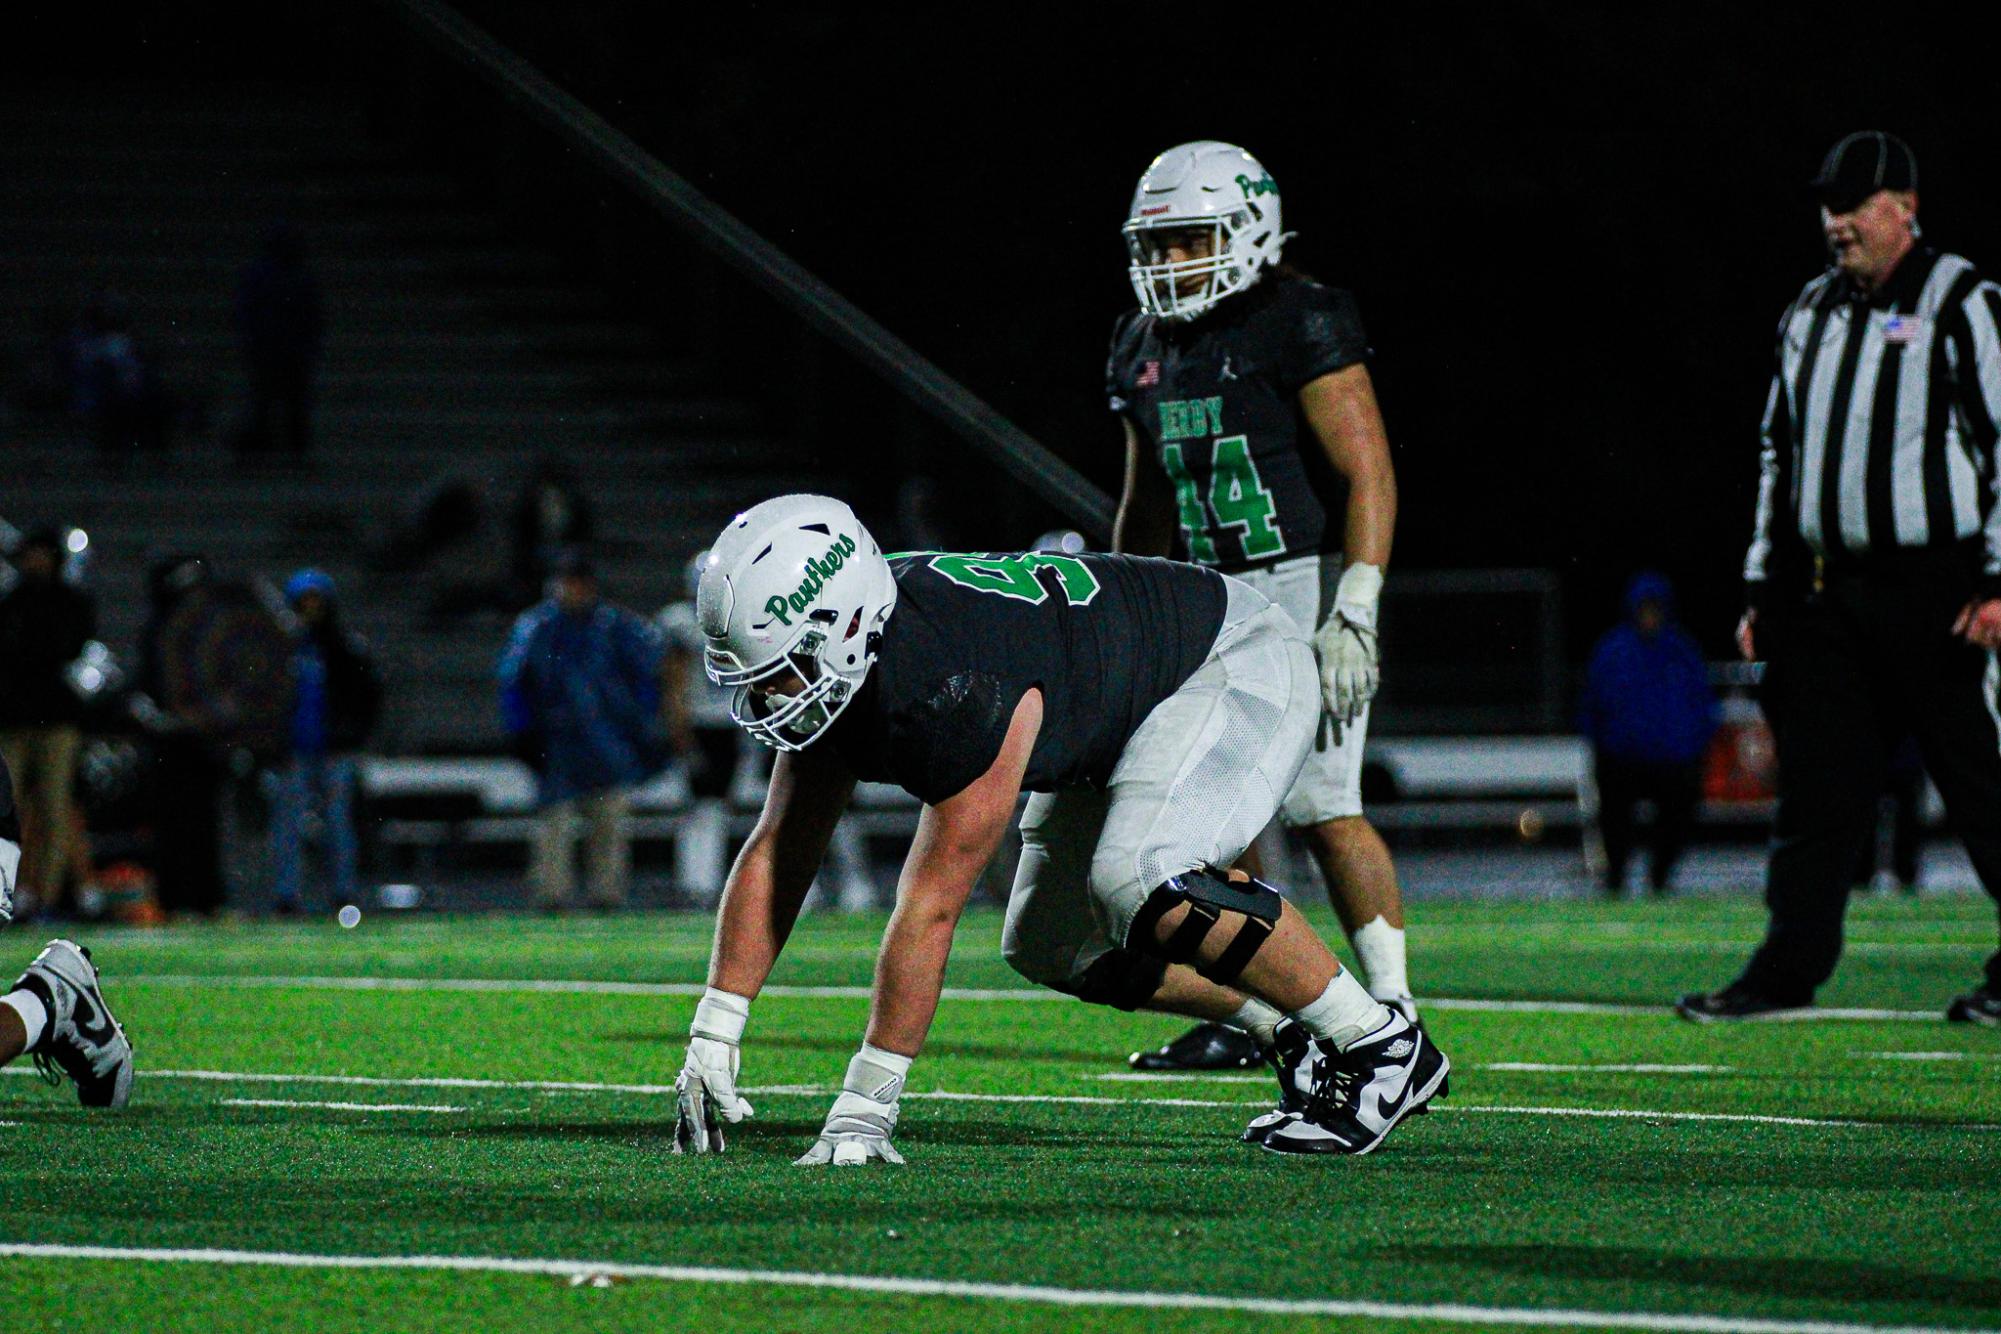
x=1570, y=230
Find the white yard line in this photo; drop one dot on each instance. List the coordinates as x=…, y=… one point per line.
x=564, y=986
x=1928, y=1055
x=343, y=1106
x=1532, y=1067
x=1610, y=1067
x=1025, y=994
x=1069, y=1100
x=1668, y=1322
x=418, y=1082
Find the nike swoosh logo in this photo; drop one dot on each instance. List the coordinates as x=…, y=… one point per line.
x=91, y=1020
x=1387, y=1106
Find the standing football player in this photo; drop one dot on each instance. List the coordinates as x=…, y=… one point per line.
x=55, y=1010
x=1157, y=711
x=1254, y=446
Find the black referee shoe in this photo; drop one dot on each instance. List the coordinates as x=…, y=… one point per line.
x=1979, y=1006
x=1203, y=1047
x=1736, y=1001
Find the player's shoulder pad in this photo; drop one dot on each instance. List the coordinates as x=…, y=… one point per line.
x=1129, y=335
x=1319, y=327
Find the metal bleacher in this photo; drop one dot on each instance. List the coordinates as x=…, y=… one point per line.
x=454, y=350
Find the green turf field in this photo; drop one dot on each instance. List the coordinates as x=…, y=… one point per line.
x=1802, y=1174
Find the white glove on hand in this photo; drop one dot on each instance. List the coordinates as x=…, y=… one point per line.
x=705, y=1092
x=864, y=1116
x=1350, y=667
x=10, y=866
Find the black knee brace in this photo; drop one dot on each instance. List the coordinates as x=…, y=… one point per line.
x=1208, y=893
x=1123, y=979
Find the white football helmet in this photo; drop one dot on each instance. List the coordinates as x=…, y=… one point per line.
x=795, y=585
x=1202, y=184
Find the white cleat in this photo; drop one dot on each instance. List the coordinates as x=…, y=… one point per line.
x=82, y=1040
x=1352, y=1099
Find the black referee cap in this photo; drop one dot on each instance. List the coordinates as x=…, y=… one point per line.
x=1859, y=166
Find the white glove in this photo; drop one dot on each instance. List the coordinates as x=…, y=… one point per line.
x=10, y=866
x=1350, y=668
x=705, y=1092
x=864, y=1116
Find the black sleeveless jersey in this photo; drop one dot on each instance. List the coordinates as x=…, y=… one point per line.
x=1218, y=401
x=1105, y=638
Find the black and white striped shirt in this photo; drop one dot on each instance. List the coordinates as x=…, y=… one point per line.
x=1880, y=427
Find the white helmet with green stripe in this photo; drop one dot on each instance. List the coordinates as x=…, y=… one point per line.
x=1204, y=222
x=792, y=600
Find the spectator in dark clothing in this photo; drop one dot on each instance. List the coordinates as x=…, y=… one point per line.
x=117, y=391
x=551, y=516
x=337, y=702
x=44, y=625
x=280, y=325
x=1890, y=860
x=188, y=767
x=1648, y=712
x=580, y=696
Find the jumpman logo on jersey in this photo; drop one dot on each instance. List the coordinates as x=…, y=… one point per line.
x=1226, y=373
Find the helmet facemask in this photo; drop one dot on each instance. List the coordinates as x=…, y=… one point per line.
x=780, y=719
x=1226, y=269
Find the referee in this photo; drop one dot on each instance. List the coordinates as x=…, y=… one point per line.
x=1874, y=575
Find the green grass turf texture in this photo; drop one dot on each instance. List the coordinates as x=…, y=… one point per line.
x=1889, y=1222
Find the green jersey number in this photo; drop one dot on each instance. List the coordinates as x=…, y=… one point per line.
x=1238, y=498
x=1018, y=577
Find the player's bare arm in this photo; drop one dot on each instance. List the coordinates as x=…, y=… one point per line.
x=1341, y=408
x=955, y=841
x=1145, y=522
x=760, y=903
x=809, y=790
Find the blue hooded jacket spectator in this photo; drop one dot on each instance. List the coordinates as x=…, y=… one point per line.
x=1646, y=692
x=580, y=694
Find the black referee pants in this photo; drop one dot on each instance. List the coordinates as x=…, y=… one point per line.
x=1850, y=671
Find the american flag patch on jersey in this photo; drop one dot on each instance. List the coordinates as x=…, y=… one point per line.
x=1149, y=375
x=1902, y=329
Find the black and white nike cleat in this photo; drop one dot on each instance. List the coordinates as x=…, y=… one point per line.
x=1292, y=1046
x=1354, y=1098
x=1204, y=1047
x=1979, y=1006
x=82, y=1040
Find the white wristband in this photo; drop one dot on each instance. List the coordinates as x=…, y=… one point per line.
x=721, y=1015
x=1356, y=595
x=877, y=1074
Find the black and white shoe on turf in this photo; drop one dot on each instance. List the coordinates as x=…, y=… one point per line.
x=82, y=1040
x=1291, y=1047
x=1354, y=1098
x=1979, y=1006
x=1208, y=1046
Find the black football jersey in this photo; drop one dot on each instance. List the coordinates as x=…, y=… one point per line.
x=1218, y=400
x=1105, y=638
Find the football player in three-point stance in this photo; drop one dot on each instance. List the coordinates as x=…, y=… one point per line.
x=1254, y=446
x=1156, y=711
x=55, y=1010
